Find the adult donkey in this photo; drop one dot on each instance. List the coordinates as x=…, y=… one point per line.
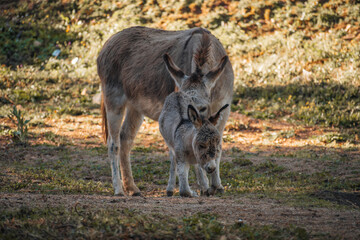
x=135, y=79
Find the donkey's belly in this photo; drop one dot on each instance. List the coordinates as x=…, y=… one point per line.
x=150, y=108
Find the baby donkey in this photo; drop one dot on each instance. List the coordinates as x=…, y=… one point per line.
x=192, y=140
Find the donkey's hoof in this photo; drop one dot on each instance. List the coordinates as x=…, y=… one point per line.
x=169, y=193
x=119, y=194
x=136, y=194
x=133, y=190
x=213, y=190
x=185, y=194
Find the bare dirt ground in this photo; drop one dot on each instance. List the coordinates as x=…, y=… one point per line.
x=245, y=134
x=251, y=211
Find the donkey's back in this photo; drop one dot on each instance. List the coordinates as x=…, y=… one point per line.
x=131, y=63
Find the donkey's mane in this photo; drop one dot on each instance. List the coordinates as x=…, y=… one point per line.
x=202, y=53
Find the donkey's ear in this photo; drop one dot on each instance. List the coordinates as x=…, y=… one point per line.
x=215, y=73
x=194, y=116
x=176, y=73
x=214, y=119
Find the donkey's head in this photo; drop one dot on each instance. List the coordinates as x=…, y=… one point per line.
x=197, y=85
x=207, y=141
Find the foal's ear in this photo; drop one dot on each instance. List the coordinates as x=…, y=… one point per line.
x=176, y=73
x=214, y=119
x=215, y=73
x=194, y=116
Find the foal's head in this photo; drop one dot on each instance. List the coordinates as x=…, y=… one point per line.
x=207, y=140
x=198, y=84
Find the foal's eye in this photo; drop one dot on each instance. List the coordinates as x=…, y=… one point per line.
x=203, y=109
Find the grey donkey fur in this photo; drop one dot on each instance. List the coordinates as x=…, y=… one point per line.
x=192, y=140
x=135, y=83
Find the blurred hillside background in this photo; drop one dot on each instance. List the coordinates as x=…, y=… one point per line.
x=294, y=60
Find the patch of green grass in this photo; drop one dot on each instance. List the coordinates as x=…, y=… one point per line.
x=56, y=139
x=271, y=232
x=152, y=170
x=304, y=199
x=326, y=104
x=268, y=177
x=242, y=161
x=101, y=150
x=64, y=222
x=53, y=181
x=338, y=137
x=143, y=149
x=17, y=117
x=5, y=130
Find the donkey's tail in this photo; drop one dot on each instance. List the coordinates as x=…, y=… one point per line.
x=104, y=126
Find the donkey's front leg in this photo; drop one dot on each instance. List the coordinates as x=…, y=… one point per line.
x=114, y=121
x=215, y=180
x=172, y=177
x=113, y=152
x=183, y=170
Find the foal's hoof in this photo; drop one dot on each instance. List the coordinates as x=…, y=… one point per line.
x=120, y=194
x=169, y=193
x=189, y=194
x=204, y=193
x=210, y=191
x=220, y=190
x=213, y=190
x=185, y=194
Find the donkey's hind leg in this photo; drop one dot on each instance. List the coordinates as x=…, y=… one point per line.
x=114, y=119
x=130, y=127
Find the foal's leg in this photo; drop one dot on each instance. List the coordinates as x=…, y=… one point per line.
x=114, y=119
x=172, y=177
x=184, y=188
x=215, y=180
x=202, y=179
x=129, y=129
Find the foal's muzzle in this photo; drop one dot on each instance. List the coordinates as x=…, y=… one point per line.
x=210, y=167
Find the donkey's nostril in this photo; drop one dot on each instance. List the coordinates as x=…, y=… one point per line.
x=210, y=169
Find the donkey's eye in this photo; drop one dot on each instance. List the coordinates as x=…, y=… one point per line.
x=202, y=146
x=203, y=109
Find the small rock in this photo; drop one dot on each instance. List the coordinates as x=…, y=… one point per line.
x=97, y=98
x=84, y=92
x=349, y=37
x=19, y=107
x=240, y=222
x=56, y=53
x=37, y=43
x=74, y=61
